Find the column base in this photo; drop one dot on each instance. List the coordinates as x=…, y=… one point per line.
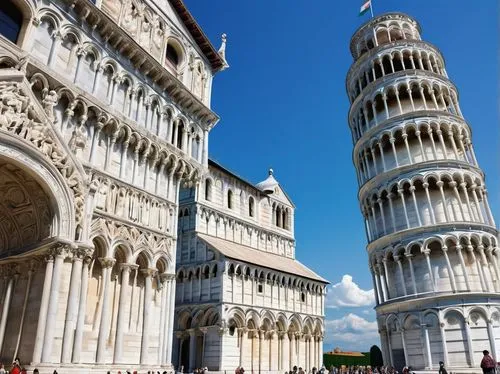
x=98, y=368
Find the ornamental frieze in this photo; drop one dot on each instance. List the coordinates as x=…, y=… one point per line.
x=113, y=232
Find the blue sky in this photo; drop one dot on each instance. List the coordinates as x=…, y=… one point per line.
x=283, y=104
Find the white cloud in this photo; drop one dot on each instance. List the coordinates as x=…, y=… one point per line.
x=351, y=333
x=346, y=293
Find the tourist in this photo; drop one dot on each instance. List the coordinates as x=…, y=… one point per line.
x=294, y=370
x=301, y=371
x=36, y=371
x=487, y=363
x=15, y=368
x=23, y=371
x=2, y=369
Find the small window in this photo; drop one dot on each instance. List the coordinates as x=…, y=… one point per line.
x=172, y=56
x=303, y=297
x=11, y=20
x=251, y=207
x=208, y=190
x=260, y=288
x=230, y=199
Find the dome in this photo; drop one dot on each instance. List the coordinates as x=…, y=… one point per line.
x=268, y=185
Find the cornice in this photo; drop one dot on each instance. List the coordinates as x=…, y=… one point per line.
x=393, y=79
x=395, y=46
x=408, y=235
x=410, y=117
x=413, y=170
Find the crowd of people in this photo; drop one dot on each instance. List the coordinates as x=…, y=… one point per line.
x=488, y=366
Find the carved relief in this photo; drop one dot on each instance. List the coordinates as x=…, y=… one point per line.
x=132, y=204
x=136, y=238
x=18, y=116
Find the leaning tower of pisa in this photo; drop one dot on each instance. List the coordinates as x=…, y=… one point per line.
x=432, y=243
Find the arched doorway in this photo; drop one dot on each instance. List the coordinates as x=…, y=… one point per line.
x=26, y=212
x=35, y=213
x=11, y=20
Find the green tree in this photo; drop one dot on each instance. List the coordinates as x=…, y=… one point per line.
x=376, y=359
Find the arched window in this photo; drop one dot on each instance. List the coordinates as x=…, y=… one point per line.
x=208, y=190
x=230, y=199
x=180, y=134
x=11, y=20
x=251, y=207
x=172, y=56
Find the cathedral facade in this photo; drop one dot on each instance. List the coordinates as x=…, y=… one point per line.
x=242, y=299
x=104, y=116
x=432, y=242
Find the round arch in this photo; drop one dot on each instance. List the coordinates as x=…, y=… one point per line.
x=34, y=167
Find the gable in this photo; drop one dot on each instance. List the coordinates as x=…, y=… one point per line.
x=280, y=195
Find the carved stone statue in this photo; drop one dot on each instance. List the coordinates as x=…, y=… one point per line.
x=78, y=139
x=49, y=101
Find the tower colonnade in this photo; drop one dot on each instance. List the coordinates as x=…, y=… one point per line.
x=432, y=243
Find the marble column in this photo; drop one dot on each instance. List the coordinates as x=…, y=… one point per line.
x=12, y=278
x=59, y=253
x=42, y=316
x=170, y=318
x=285, y=352
x=122, y=306
x=148, y=287
x=293, y=350
x=72, y=310
x=243, y=337
x=192, y=350
x=80, y=323
x=107, y=265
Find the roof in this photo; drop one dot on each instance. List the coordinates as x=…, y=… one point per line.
x=351, y=354
x=269, y=260
x=269, y=183
x=216, y=61
x=216, y=164
x=261, y=186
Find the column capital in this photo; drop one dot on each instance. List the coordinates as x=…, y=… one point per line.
x=148, y=272
x=440, y=184
x=452, y=184
x=128, y=267
x=60, y=250
x=107, y=262
x=425, y=185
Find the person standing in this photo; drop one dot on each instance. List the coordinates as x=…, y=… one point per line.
x=487, y=363
x=442, y=369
